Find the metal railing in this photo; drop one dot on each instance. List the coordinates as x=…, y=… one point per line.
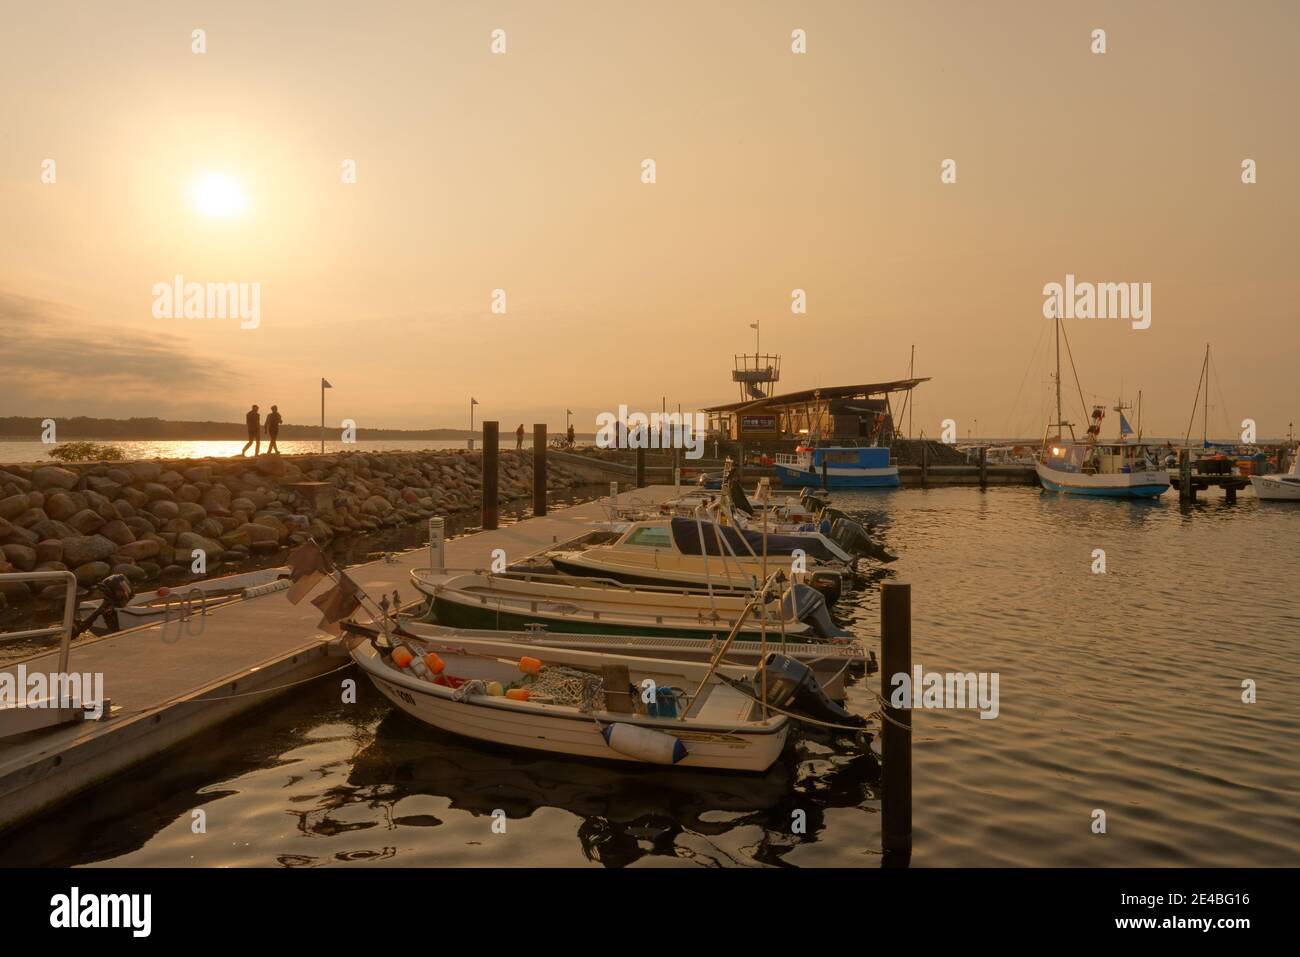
x=69, y=611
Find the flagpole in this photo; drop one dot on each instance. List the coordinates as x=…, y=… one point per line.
x=322, y=415
x=471, y=422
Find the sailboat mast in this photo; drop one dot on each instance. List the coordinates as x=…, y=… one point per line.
x=1058, y=376
x=1205, y=418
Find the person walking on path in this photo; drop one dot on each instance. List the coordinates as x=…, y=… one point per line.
x=570, y=434
x=519, y=437
x=254, y=422
x=273, y=429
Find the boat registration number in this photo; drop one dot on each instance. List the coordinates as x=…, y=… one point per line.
x=404, y=695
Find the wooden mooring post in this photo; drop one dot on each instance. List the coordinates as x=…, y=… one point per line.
x=1186, y=491
x=491, y=435
x=896, y=726
x=925, y=461
x=539, y=468
x=984, y=466
x=640, y=468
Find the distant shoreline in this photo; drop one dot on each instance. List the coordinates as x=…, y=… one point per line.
x=28, y=429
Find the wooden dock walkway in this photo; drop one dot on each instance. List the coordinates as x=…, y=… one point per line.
x=165, y=687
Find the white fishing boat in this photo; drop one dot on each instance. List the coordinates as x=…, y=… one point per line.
x=194, y=597
x=1279, y=486
x=578, y=703
x=1121, y=469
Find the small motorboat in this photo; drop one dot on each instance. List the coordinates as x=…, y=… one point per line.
x=588, y=605
x=831, y=663
x=579, y=703
x=1281, y=486
x=701, y=555
x=193, y=597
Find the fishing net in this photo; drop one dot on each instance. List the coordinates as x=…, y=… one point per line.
x=567, y=686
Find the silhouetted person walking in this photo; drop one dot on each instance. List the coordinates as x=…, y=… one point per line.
x=254, y=422
x=273, y=429
x=570, y=433
x=519, y=437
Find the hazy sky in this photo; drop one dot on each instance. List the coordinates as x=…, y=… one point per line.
x=522, y=171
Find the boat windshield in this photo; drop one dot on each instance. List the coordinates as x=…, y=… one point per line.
x=652, y=536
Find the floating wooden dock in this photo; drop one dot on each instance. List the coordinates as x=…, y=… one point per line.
x=1230, y=484
x=167, y=683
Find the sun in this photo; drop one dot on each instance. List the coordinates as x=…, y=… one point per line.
x=219, y=194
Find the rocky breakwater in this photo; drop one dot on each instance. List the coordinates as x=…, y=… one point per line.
x=146, y=519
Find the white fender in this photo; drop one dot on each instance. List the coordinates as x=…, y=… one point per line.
x=644, y=743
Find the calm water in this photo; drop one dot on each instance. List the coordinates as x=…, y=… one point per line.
x=1118, y=691
x=16, y=451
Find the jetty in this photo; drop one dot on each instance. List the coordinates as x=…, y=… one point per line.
x=167, y=682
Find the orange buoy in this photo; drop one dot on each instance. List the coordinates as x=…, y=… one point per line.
x=402, y=657
x=517, y=694
x=435, y=663
x=529, y=666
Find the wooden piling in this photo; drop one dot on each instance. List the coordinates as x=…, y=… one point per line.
x=984, y=466
x=491, y=435
x=539, y=468
x=896, y=727
x=640, y=468
x=925, y=461
x=1186, y=493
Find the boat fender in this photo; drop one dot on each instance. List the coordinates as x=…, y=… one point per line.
x=644, y=744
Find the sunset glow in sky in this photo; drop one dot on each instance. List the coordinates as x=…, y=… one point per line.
x=522, y=172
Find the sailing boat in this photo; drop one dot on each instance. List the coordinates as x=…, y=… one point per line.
x=1118, y=469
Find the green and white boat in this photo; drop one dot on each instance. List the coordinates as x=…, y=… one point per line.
x=597, y=606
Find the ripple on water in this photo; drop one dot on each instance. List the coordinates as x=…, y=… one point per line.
x=1119, y=692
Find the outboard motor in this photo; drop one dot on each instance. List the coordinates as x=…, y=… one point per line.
x=792, y=687
x=738, y=496
x=828, y=584
x=116, y=592
x=805, y=603
x=853, y=538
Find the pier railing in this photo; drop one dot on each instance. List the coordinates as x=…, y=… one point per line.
x=69, y=610
x=23, y=714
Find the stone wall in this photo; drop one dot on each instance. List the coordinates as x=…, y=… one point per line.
x=144, y=519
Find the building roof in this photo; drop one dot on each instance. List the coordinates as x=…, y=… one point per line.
x=823, y=394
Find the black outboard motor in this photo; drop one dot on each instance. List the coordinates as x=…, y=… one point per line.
x=805, y=603
x=853, y=538
x=792, y=687
x=117, y=593
x=738, y=496
x=830, y=585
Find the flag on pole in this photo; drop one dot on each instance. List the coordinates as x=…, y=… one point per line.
x=1124, y=427
x=473, y=401
x=568, y=412
x=337, y=603
x=324, y=383
x=753, y=325
x=307, y=566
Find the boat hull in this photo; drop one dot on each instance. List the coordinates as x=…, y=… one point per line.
x=886, y=477
x=1269, y=488
x=1121, y=485
x=562, y=730
x=459, y=614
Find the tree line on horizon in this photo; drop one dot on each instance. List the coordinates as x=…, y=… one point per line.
x=85, y=427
